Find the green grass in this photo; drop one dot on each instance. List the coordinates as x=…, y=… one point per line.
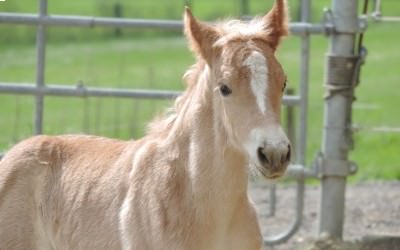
x=159, y=62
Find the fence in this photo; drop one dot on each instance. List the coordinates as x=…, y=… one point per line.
x=337, y=26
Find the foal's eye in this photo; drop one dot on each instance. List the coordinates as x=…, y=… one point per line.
x=225, y=90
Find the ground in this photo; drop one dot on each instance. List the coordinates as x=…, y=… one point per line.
x=372, y=219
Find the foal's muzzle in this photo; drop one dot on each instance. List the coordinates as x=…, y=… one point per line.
x=274, y=159
x=269, y=151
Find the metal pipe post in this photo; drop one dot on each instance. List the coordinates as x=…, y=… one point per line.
x=40, y=68
x=337, y=111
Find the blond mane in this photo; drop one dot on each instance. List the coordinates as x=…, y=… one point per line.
x=163, y=124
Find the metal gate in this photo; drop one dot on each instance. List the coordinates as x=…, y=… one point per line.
x=342, y=24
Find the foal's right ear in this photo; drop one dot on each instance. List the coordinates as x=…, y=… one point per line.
x=201, y=36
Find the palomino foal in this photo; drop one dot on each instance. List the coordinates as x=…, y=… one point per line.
x=183, y=185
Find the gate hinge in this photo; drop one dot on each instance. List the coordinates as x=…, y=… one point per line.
x=331, y=167
x=343, y=73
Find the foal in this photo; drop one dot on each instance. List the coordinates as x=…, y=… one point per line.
x=183, y=185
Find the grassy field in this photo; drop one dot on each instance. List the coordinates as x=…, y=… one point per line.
x=95, y=58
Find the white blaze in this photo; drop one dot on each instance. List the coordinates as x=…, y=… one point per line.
x=259, y=72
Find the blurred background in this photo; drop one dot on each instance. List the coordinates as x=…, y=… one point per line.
x=149, y=59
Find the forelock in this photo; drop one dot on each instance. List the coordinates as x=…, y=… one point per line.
x=240, y=30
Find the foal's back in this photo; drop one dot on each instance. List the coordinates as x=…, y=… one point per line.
x=62, y=188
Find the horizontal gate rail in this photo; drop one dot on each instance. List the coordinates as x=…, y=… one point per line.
x=296, y=28
x=82, y=91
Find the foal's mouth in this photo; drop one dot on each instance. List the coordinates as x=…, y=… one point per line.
x=269, y=174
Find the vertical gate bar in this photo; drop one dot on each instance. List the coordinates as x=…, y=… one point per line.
x=302, y=134
x=290, y=121
x=272, y=199
x=40, y=68
x=378, y=7
x=301, y=144
x=336, y=113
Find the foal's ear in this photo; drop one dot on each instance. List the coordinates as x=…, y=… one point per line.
x=201, y=36
x=276, y=23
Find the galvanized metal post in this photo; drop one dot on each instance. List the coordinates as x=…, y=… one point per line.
x=335, y=145
x=40, y=68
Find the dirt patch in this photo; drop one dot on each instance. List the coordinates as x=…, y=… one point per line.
x=372, y=218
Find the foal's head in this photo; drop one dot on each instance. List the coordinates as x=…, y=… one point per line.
x=247, y=84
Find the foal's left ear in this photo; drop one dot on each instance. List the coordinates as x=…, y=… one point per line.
x=276, y=23
x=201, y=36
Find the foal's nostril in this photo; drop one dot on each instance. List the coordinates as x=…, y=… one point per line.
x=261, y=156
x=288, y=153
x=285, y=157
